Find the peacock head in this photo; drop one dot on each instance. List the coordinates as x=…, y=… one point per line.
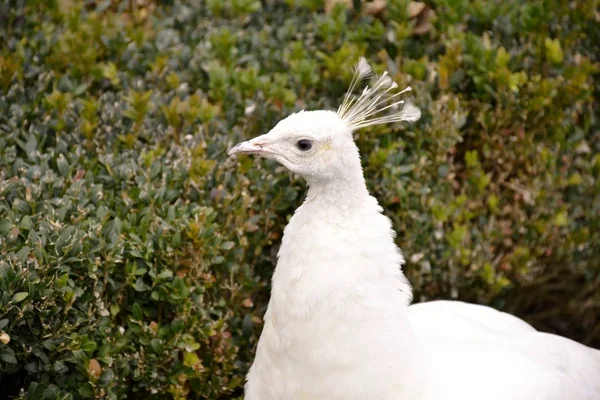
x=318, y=145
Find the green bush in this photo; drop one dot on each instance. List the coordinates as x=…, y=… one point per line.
x=135, y=257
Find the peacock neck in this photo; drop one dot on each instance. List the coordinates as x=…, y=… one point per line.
x=345, y=194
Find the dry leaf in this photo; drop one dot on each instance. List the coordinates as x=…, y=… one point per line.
x=94, y=368
x=422, y=27
x=4, y=338
x=80, y=174
x=375, y=7
x=330, y=4
x=415, y=8
x=421, y=14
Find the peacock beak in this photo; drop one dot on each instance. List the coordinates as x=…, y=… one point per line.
x=259, y=146
x=245, y=148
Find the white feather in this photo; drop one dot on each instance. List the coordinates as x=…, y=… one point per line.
x=367, y=109
x=362, y=68
x=362, y=71
x=410, y=113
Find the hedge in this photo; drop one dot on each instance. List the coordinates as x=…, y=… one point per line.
x=135, y=256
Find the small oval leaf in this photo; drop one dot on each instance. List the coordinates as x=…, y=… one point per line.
x=19, y=297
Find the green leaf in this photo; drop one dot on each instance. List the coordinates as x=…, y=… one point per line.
x=32, y=367
x=227, y=245
x=176, y=239
x=561, y=218
x=575, y=180
x=554, y=50
x=8, y=356
x=19, y=297
x=472, y=158
x=21, y=207
x=140, y=286
x=247, y=326
x=492, y=203
x=190, y=359
x=137, y=312
x=88, y=346
x=23, y=254
x=156, y=346
x=63, y=166
x=26, y=222
x=86, y=391
x=106, y=378
x=50, y=344
x=166, y=274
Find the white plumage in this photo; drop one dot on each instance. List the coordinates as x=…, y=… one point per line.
x=339, y=325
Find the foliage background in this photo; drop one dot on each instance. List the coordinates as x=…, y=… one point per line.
x=135, y=257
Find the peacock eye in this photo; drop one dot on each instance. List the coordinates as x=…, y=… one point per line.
x=304, y=144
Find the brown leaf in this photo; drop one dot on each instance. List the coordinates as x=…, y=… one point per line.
x=423, y=25
x=13, y=233
x=182, y=273
x=251, y=227
x=4, y=338
x=330, y=4
x=415, y=8
x=505, y=266
x=419, y=12
x=375, y=7
x=94, y=368
x=423, y=28
x=274, y=235
x=80, y=174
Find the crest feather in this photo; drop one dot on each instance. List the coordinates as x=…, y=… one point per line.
x=366, y=109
